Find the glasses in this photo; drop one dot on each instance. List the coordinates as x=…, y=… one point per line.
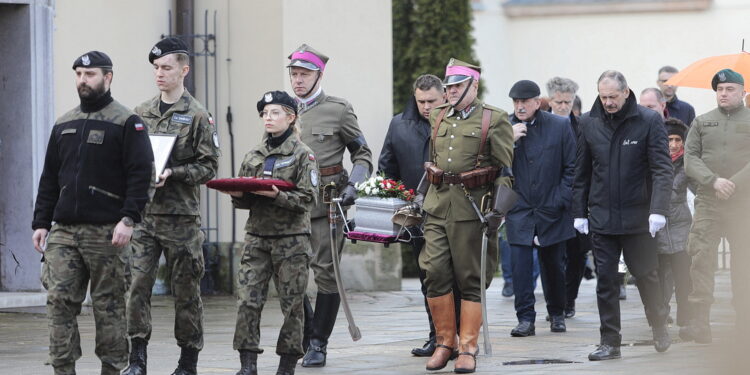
x=272, y=114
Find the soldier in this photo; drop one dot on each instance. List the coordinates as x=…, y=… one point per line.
x=718, y=160
x=328, y=126
x=453, y=230
x=94, y=186
x=172, y=221
x=276, y=245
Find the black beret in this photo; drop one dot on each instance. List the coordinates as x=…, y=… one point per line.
x=277, y=97
x=676, y=127
x=726, y=76
x=167, y=46
x=93, y=59
x=524, y=89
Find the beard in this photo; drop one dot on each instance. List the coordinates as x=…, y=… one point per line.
x=89, y=93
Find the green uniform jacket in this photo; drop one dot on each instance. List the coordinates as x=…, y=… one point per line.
x=456, y=148
x=289, y=213
x=718, y=146
x=194, y=158
x=328, y=126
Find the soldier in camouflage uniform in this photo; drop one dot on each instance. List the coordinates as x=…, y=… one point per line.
x=172, y=221
x=717, y=158
x=328, y=126
x=277, y=243
x=94, y=186
x=452, y=230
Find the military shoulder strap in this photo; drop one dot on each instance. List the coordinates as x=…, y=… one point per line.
x=486, y=115
x=439, y=119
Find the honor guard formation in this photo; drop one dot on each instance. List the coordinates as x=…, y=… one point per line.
x=534, y=190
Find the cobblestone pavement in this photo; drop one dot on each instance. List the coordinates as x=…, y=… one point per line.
x=394, y=322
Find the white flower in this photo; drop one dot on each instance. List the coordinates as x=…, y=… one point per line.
x=375, y=191
x=388, y=185
x=367, y=190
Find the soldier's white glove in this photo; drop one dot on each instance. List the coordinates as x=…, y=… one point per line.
x=536, y=241
x=582, y=225
x=655, y=223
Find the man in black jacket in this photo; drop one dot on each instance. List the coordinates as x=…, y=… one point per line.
x=622, y=189
x=405, y=150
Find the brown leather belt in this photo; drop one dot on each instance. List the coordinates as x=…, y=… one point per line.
x=332, y=170
x=450, y=178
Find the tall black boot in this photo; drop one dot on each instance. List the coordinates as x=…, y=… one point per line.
x=137, y=360
x=308, y=329
x=287, y=363
x=249, y=363
x=326, y=309
x=188, y=363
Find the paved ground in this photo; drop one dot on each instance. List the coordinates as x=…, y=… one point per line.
x=391, y=324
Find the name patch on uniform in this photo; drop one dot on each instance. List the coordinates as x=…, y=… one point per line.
x=96, y=137
x=69, y=131
x=182, y=119
x=710, y=123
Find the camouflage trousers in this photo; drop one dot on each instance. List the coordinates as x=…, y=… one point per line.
x=715, y=219
x=76, y=255
x=286, y=259
x=322, y=259
x=180, y=239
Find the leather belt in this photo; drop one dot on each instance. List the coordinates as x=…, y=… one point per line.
x=450, y=178
x=332, y=170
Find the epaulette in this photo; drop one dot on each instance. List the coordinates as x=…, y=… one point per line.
x=338, y=100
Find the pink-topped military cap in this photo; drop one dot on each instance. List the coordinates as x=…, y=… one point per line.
x=306, y=57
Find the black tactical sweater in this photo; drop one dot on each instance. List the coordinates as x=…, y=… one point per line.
x=98, y=167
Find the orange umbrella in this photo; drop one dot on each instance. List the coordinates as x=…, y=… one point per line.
x=700, y=73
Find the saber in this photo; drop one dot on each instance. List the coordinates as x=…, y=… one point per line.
x=486, y=199
x=330, y=196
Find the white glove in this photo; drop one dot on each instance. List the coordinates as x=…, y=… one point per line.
x=581, y=225
x=655, y=223
x=536, y=240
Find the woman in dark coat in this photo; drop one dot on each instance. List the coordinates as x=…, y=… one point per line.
x=673, y=254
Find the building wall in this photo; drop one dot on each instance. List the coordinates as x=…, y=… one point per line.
x=582, y=47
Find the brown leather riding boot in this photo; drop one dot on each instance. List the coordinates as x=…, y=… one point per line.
x=444, y=317
x=471, y=321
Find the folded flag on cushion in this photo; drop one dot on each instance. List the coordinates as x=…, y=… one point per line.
x=248, y=184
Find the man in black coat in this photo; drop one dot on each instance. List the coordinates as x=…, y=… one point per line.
x=543, y=166
x=622, y=189
x=405, y=150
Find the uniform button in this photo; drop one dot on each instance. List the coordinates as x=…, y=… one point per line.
x=472, y=133
x=453, y=136
x=450, y=148
x=449, y=160
x=454, y=125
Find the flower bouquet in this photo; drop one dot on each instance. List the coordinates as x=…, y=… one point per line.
x=379, y=198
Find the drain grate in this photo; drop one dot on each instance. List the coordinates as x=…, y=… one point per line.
x=538, y=362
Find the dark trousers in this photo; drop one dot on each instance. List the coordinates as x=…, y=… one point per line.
x=575, y=263
x=417, y=243
x=639, y=251
x=552, y=269
x=678, y=265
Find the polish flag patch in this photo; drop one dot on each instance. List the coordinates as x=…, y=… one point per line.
x=311, y=157
x=139, y=127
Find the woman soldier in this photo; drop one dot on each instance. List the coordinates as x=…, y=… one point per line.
x=277, y=242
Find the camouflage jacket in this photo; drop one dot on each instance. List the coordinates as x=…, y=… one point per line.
x=328, y=126
x=194, y=158
x=289, y=213
x=456, y=148
x=98, y=168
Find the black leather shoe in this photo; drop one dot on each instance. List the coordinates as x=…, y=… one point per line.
x=557, y=324
x=523, y=329
x=662, y=341
x=508, y=290
x=426, y=350
x=316, y=354
x=605, y=352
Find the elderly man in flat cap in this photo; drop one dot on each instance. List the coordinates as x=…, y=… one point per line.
x=717, y=158
x=543, y=168
x=172, y=222
x=471, y=144
x=328, y=126
x=94, y=186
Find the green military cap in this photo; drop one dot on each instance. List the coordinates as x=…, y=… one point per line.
x=458, y=71
x=727, y=76
x=306, y=57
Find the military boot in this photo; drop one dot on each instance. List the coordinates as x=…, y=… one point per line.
x=700, y=327
x=287, y=363
x=444, y=317
x=662, y=341
x=471, y=321
x=308, y=328
x=137, y=360
x=326, y=309
x=108, y=369
x=188, y=362
x=248, y=363
x=66, y=369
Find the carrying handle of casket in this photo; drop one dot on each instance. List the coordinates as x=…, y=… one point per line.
x=331, y=195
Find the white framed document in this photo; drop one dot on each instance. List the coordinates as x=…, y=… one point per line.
x=162, y=145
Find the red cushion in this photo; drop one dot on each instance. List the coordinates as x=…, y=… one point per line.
x=248, y=184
